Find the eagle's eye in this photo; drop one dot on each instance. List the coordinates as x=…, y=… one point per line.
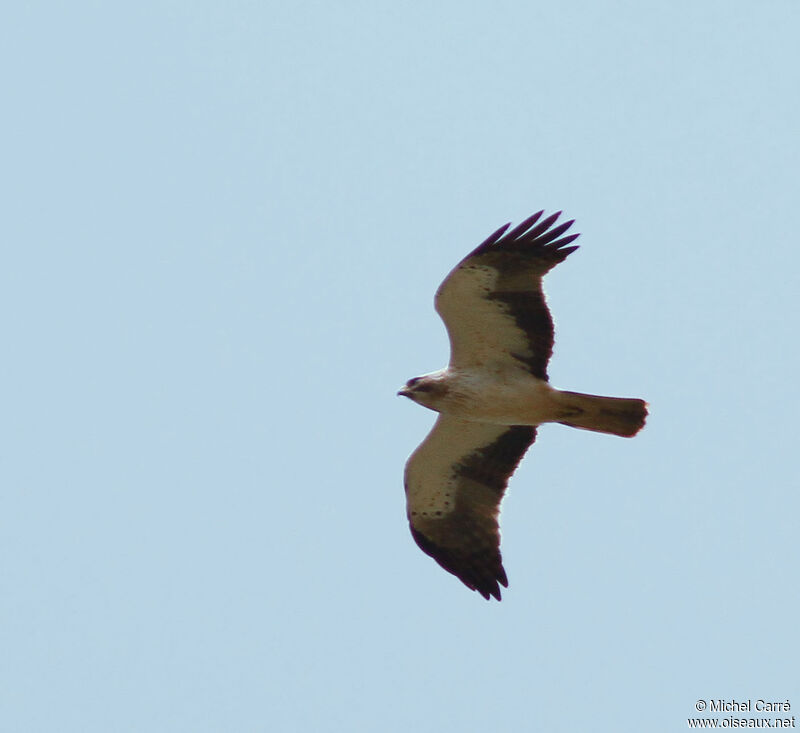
x=412, y=382
x=424, y=388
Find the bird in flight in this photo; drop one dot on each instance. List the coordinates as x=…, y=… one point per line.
x=491, y=398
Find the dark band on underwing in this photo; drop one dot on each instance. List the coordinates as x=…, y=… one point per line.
x=493, y=464
x=531, y=314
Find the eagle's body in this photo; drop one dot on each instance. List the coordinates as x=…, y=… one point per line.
x=491, y=397
x=497, y=396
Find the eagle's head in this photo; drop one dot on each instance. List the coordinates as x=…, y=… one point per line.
x=427, y=391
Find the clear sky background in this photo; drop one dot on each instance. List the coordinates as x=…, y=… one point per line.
x=223, y=225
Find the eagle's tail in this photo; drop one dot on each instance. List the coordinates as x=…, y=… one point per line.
x=616, y=415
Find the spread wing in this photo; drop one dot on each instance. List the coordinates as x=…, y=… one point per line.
x=492, y=302
x=454, y=483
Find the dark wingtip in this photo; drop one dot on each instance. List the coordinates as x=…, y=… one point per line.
x=523, y=226
x=543, y=226
x=564, y=241
x=490, y=587
x=475, y=577
x=494, y=236
x=555, y=233
x=530, y=235
x=489, y=592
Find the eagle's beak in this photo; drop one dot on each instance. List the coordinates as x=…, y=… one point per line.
x=405, y=392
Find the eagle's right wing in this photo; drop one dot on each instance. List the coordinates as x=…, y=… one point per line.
x=455, y=481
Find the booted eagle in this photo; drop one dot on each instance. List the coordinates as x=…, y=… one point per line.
x=491, y=397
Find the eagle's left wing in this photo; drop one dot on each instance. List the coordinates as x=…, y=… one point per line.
x=492, y=302
x=454, y=483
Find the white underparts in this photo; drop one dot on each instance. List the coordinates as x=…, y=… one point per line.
x=508, y=397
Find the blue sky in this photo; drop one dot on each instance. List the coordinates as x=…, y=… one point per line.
x=224, y=225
